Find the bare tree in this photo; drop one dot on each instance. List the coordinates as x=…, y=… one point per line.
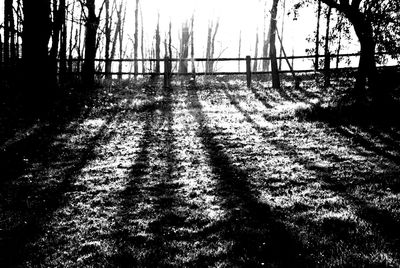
x=192, y=46
x=117, y=31
x=108, y=40
x=158, y=45
x=316, y=63
x=282, y=31
x=35, y=46
x=266, y=40
x=240, y=47
x=327, y=60
x=63, y=42
x=136, y=39
x=184, y=49
x=255, y=53
x=212, y=32
x=272, y=49
x=142, y=40
x=8, y=29
x=58, y=32
x=71, y=45
x=339, y=46
x=92, y=24
x=170, y=39
x=121, y=42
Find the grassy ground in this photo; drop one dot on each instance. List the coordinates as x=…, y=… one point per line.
x=208, y=175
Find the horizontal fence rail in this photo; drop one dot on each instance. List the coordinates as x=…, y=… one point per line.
x=75, y=65
x=231, y=59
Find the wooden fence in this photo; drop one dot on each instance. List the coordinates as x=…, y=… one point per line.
x=168, y=72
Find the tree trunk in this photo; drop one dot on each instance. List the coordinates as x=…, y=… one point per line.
x=170, y=49
x=367, y=71
x=240, y=47
x=12, y=37
x=71, y=46
x=327, y=60
x=1, y=56
x=108, y=41
x=213, y=45
x=208, y=48
x=266, y=40
x=57, y=39
x=116, y=31
x=136, y=41
x=158, y=45
x=142, y=40
x=80, y=48
x=192, y=47
x=316, y=63
x=92, y=24
x=339, y=47
x=121, y=42
x=35, y=59
x=282, y=28
x=170, y=39
x=184, y=51
x=8, y=16
x=63, y=43
x=255, y=54
x=272, y=49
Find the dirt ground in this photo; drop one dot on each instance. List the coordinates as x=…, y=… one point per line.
x=212, y=175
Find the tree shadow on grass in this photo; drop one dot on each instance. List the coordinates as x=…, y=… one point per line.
x=287, y=95
x=262, y=100
x=364, y=142
x=145, y=236
x=258, y=237
x=34, y=141
x=384, y=222
x=35, y=203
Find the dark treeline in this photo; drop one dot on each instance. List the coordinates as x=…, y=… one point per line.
x=43, y=39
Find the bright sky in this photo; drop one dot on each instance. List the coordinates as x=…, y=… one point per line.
x=235, y=16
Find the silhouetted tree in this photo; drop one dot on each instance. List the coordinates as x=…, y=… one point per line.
x=240, y=48
x=107, y=34
x=58, y=46
x=212, y=32
x=8, y=29
x=272, y=48
x=255, y=53
x=158, y=44
x=184, y=49
x=91, y=25
x=316, y=63
x=377, y=27
x=327, y=60
x=136, y=41
x=36, y=35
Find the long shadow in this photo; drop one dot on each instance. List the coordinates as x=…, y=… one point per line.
x=38, y=203
x=367, y=144
x=156, y=248
x=298, y=95
x=263, y=101
x=309, y=95
x=385, y=136
x=258, y=236
x=289, y=97
x=384, y=221
x=13, y=158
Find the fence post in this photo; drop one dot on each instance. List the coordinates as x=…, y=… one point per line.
x=167, y=72
x=248, y=71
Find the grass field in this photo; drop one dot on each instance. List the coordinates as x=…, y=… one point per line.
x=206, y=175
